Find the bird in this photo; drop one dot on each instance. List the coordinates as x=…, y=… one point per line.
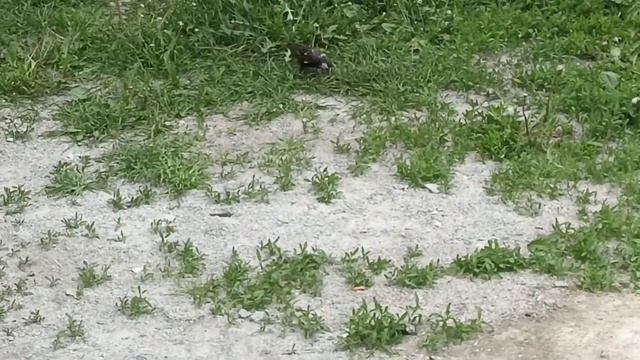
x=310, y=59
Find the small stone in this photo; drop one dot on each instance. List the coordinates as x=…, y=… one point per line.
x=259, y=316
x=243, y=314
x=433, y=188
x=137, y=270
x=560, y=284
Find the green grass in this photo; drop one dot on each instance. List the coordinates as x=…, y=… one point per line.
x=448, y=330
x=159, y=62
x=411, y=275
x=126, y=107
x=359, y=269
x=324, y=185
x=377, y=328
x=20, y=127
x=172, y=163
x=309, y=322
x=89, y=276
x=68, y=179
x=190, y=262
x=74, y=331
x=15, y=199
x=273, y=281
x=135, y=306
x=490, y=260
x=284, y=160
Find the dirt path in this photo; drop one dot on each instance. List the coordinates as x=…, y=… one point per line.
x=587, y=327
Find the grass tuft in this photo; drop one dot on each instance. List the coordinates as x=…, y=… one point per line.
x=377, y=328
x=489, y=261
x=15, y=199
x=171, y=163
x=242, y=286
x=447, y=330
x=136, y=306
x=72, y=180
x=325, y=185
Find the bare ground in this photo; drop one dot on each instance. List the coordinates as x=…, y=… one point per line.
x=586, y=327
x=533, y=318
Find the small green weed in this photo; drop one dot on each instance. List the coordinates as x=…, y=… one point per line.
x=71, y=180
x=425, y=166
x=90, y=277
x=413, y=276
x=75, y=330
x=24, y=263
x=163, y=228
x=284, y=160
x=370, y=147
x=598, y=277
x=256, y=190
x=74, y=223
x=341, y=148
x=90, y=231
x=325, y=185
x=489, y=261
x=189, y=258
x=359, y=269
x=50, y=240
x=34, y=317
x=20, y=127
x=307, y=320
x=379, y=329
x=227, y=197
x=117, y=202
x=136, y=306
x=15, y=199
x=144, y=196
x=241, y=286
x=447, y=330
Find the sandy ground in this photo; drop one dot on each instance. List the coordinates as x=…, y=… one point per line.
x=587, y=327
x=533, y=317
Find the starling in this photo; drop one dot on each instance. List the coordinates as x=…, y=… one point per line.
x=309, y=58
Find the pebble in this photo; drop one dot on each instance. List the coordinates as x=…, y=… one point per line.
x=560, y=284
x=433, y=188
x=259, y=316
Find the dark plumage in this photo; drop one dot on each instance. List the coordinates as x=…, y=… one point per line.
x=309, y=58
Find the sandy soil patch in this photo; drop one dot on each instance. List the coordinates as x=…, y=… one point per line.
x=375, y=211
